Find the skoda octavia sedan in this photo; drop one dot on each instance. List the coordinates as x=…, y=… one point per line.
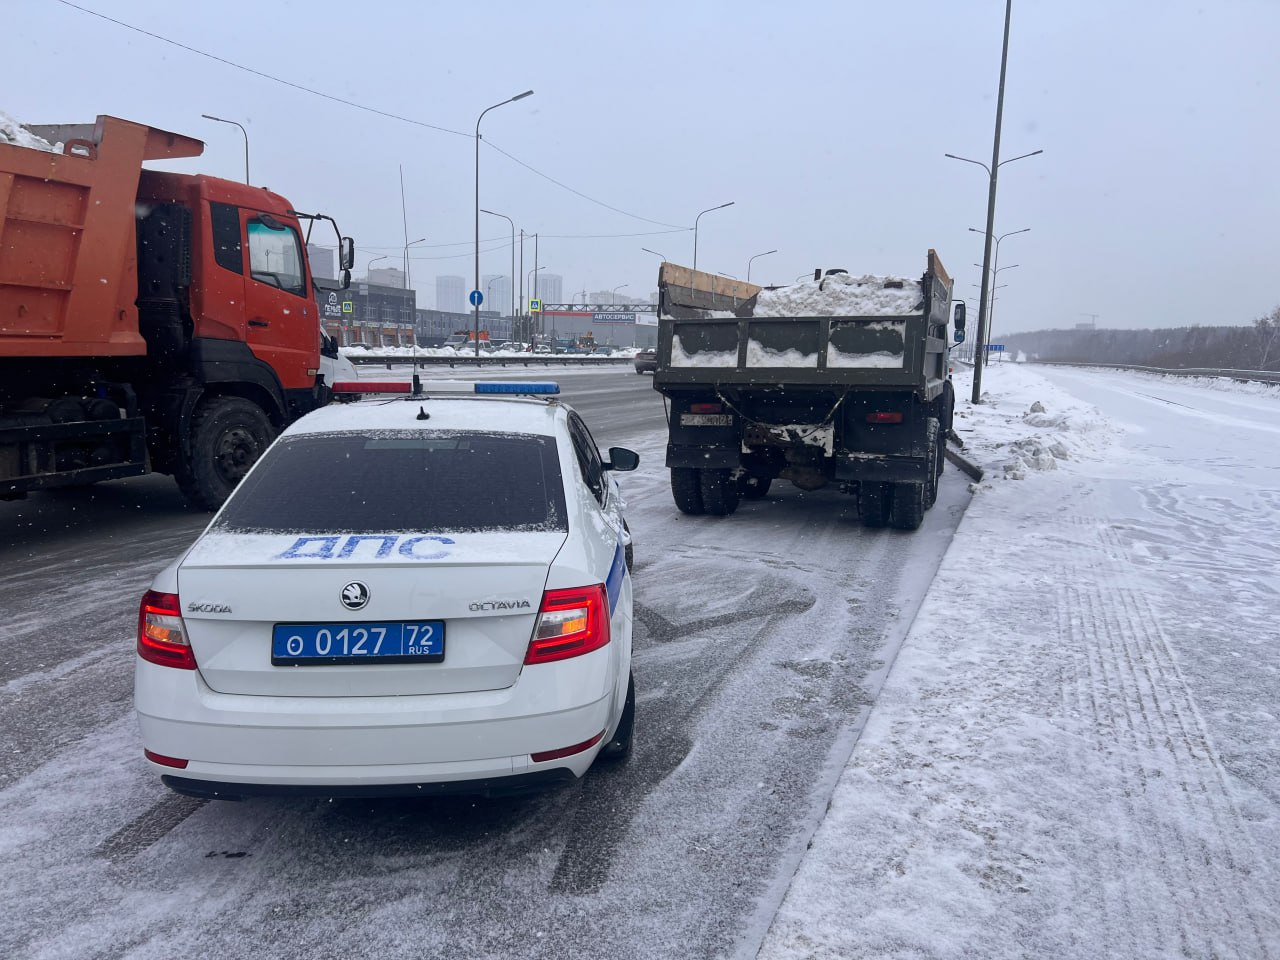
x=410, y=595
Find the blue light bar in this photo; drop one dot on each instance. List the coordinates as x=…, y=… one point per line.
x=526, y=388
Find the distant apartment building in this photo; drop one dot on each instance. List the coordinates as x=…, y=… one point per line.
x=451, y=294
x=387, y=277
x=322, y=260
x=497, y=292
x=550, y=287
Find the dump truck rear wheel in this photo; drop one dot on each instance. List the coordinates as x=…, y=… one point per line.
x=906, y=512
x=228, y=435
x=686, y=490
x=873, y=504
x=719, y=492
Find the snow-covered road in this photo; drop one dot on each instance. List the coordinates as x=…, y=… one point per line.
x=1076, y=752
x=1073, y=755
x=761, y=641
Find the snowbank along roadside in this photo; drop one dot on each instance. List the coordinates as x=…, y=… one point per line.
x=1051, y=769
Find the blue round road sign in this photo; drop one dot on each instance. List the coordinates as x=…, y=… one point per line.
x=476, y=298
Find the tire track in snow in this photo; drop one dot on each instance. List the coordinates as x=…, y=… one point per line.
x=1167, y=779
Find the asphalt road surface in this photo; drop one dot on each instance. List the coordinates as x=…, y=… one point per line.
x=761, y=641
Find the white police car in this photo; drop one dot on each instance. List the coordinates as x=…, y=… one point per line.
x=404, y=596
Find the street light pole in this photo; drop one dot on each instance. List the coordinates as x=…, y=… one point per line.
x=995, y=269
x=513, y=258
x=655, y=253
x=695, y=229
x=369, y=266
x=992, y=172
x=757, y=257
x=518, y=96
x=613, y=296
x=209, y=116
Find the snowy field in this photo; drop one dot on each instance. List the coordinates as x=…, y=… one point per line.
x=1075, y=753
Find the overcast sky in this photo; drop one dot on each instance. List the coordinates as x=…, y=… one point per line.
x=1155, y=202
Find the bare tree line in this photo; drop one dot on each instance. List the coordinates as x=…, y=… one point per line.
x=1256, y=347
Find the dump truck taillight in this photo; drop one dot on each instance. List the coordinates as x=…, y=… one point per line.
x=706, y=408
x=162, y=637
x=570, y=623
x=884, y=417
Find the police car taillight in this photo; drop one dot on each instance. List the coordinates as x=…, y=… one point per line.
x=162, y=636
x=570, y=623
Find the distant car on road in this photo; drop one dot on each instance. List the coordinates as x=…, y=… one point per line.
x=459, y=623
x=646, y=360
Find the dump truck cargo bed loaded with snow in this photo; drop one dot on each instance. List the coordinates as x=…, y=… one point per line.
x=841, y=379
x=148, y=320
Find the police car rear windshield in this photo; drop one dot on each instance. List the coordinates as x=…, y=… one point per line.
x=393, y=481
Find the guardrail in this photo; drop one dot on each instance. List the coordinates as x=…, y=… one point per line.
x=1244, y=376
x=533, y=360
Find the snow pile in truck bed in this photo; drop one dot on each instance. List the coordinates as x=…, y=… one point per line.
x=12, y=132
x=843, y=295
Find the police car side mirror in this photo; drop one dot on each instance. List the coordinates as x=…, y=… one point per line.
x=622, y=460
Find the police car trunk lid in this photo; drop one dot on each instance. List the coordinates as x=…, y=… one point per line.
x=485, y=589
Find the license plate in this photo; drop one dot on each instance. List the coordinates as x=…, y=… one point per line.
x=418, y=641
x=706, y=420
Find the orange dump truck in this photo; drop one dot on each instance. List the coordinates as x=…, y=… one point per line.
x=148, y=320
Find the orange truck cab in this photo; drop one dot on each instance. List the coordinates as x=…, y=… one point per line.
x=149, y=320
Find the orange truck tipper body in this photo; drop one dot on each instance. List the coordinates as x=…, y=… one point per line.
x=68, y=255
x=176, y=312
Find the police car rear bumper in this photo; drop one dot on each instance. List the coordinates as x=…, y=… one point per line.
x=245, y=742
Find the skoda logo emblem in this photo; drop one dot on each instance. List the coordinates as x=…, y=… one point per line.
x=355, y=595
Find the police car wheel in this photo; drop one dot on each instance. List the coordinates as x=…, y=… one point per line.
x=619, y=747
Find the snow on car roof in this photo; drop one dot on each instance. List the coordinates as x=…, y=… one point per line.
x=464, y=412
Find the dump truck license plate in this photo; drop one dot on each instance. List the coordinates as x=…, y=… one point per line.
x=706, y=420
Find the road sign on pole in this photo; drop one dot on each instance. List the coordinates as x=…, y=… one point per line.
x=995, y=347
x=535, y=306
x=476, y=298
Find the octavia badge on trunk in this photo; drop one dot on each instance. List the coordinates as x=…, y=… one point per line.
x=355, y=595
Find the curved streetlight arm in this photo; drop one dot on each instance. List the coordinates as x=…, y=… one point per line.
x=518, y=96
x=1003, y=235
x=695, y=229
x=1020, y=157
x=978, y=163
x=209, y=116
x=750, y=260
x=494, y=213
x=662, y=256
